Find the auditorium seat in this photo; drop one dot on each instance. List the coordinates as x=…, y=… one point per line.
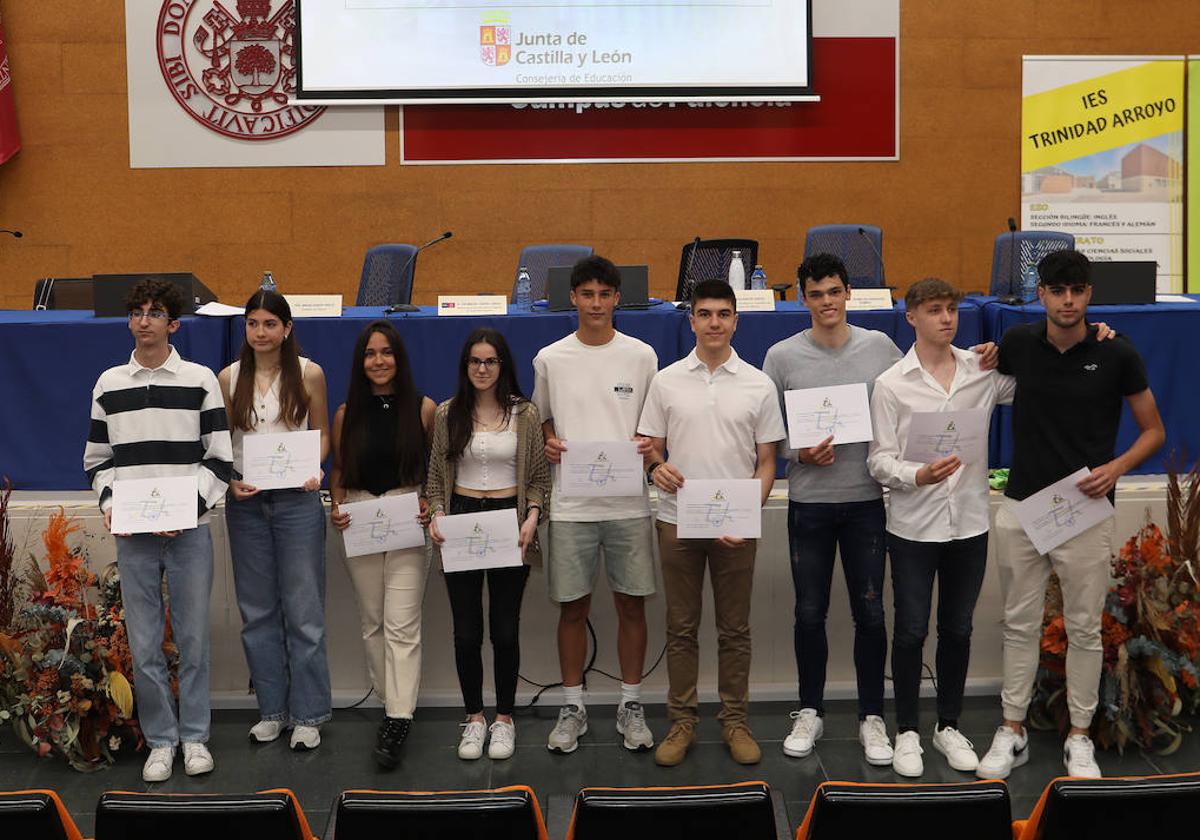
x=1025, y=248
x=267, y=815
x=35, y=814
x=507, y=813
x=709, y=260
x=539, y=259
x=741, y=811
x=387, y=275
x=862, y=253
x=1098, y=809
x=840, y=810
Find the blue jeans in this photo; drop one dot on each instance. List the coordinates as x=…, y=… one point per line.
x=959, y=566
x=816, y=530
x=277, y=542
x=188, y=564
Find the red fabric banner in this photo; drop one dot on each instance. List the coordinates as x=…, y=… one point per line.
x=10, y=141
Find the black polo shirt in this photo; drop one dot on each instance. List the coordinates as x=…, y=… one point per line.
x=1068, y=405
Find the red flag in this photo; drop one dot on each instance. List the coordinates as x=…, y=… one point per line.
x=10, y=141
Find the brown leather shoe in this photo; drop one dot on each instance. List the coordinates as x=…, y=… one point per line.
x=742, y=746
x=675, y=746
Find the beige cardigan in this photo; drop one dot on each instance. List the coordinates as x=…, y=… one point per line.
x=533, y=475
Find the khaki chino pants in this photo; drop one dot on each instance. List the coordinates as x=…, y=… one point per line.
x=732, y=573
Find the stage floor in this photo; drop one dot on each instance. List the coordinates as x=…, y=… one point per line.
x=344, y=761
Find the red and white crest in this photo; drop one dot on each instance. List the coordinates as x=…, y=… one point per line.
x=233, y=72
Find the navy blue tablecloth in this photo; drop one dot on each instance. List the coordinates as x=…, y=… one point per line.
x=1161, y=332
x=49, y=363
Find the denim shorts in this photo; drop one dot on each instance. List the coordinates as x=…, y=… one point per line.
x=574, y=555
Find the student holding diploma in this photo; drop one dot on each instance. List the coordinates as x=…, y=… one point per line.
x=1070, y=390
x=379, y=448
x=937, y=524
x=488, y=452
x=162, y=418
x=719, y=418
x=277, y=537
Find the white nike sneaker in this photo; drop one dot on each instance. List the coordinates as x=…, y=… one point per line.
x=1079, y=757
x=1008, y=750
x=959, y=752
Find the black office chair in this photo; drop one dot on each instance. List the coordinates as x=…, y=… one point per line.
x=387, y=275
x=508, y=813
x=740, y=811
x=35, y=814
x=539, y=259
x=709, y=259
x=1098, y=809
x=862, y=252
x=268, y=815
x=979, y=810
x=1013, y=252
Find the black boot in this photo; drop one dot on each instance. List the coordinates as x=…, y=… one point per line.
x=392, y=733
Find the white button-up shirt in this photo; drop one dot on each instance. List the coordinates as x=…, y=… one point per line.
x=953, y=509
x=712, y=422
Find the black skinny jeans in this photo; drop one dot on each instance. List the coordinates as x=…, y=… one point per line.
x=506, y=587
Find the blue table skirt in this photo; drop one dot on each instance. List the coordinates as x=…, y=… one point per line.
x=49, y=363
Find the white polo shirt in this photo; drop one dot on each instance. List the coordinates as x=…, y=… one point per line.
x=711, y=421
x=953, y=509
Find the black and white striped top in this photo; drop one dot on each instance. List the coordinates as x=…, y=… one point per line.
x=169, y=421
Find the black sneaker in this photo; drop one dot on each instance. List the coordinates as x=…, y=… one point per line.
x=392, y=733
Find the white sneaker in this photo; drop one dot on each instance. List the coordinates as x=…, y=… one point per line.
x=503, y=741
x=1008, y=750
x=158, y=764
x=196, y=758
x=1079, y=756
x=906, y=760
x=470, y=745
x=877, y=747
x=807, y=727
x=305, y=737
x=959, y=752
x=572, y=722
x=266, y=731
x=631, y=722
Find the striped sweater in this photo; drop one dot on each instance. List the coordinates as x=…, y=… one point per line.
x=169, y=421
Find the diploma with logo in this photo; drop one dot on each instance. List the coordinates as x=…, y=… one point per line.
x=486, y=540
x=933, y=435
x=814, y=414
x=1056, y=514
x=150, y=505
x=280, y=461
x=384, y=524
x=606, y=468
x=723, y=507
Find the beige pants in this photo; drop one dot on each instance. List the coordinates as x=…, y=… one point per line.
x=389, y=588
x=1083, y=568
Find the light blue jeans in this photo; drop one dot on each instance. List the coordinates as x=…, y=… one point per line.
x=277, y=543
x=188, y=564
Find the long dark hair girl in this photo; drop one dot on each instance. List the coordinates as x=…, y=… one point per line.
x=410, y=432
x=293, y=398
x=460, y=422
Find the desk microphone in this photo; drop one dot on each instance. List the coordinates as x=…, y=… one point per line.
x=408, y=307
x=686, y=303
x=1011, y=298
x=878, y=256
x=15, y=234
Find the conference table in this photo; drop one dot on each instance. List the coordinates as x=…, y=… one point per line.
x=49, y=361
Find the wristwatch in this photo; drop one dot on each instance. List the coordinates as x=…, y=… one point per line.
x=650, y=470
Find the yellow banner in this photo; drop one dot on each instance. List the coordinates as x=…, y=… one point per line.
x=1103, y=113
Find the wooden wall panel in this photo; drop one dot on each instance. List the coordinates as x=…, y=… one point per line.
x=84, y=211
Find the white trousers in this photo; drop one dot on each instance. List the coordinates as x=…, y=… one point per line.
x=1083, y=568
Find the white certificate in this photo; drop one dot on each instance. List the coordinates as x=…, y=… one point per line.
x=1052, y=516
x=150, y=505
x=604, y=468
x=814, y=414
x=933, y=435
x=719, y=507
x=279, y=461
x=384, y=524
x=486, y=540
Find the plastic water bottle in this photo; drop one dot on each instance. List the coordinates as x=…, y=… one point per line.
x=758, y=279
x=268, y=283
x=1029, y=283
x=524, y=285
x=737, y=271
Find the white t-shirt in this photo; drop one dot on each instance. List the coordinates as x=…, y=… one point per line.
x=712, y=422
x=593, y=393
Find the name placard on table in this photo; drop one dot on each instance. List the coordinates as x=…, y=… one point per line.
x=862, y=300
x=315, y=306
x=755, y=300
x=472, y=305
